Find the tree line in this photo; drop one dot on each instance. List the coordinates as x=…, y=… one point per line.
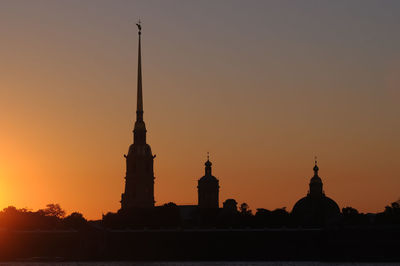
x=169, y=215
x=53, y=217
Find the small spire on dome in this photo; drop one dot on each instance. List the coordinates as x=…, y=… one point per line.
x=316, y=168
x=208, y=165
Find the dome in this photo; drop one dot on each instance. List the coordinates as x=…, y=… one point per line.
x=208, y=178
x=315, y=211
x=315, y=179
x=315, y=208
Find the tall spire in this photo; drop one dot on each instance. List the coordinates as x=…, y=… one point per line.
x=139, y=110
x=139, y=179
x=140, y=127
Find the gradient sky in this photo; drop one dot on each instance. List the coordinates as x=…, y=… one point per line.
x=264, y=86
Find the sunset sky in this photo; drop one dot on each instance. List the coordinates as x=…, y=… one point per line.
x=264, y=86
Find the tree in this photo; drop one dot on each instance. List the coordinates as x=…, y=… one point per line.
x=245, y=209
x=349, y=211
x=10, y=209
x=74, y=220
x=170, y=205
x=53, y=210
x=396, y=205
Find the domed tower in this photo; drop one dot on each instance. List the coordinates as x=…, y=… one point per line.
x=208, y=188
x=316, y=209
x=139, y=180
x=316, y=184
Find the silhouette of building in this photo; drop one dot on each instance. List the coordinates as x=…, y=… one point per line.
x=139, y=179
x=316, y=208
x=208, y=188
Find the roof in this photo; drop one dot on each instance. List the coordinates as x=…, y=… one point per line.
x=311, y=210
x=208, y=178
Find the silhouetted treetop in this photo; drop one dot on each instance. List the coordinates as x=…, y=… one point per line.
x=53, y=210
x=49, y=218
x=245, y=209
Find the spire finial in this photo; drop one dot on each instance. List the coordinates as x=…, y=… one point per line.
x=208, y=165
x=139, y=25
x=316, y=168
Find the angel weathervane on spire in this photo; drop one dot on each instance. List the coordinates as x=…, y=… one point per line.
x=139, y=25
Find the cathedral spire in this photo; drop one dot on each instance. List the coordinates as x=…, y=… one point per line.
x=140, y=127
x=139, y=110
x=139, y=179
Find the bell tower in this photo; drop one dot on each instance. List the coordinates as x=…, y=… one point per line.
x=139, y=179
x=208, y=188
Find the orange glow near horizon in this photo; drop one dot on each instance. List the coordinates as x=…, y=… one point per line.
x=263, y=95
